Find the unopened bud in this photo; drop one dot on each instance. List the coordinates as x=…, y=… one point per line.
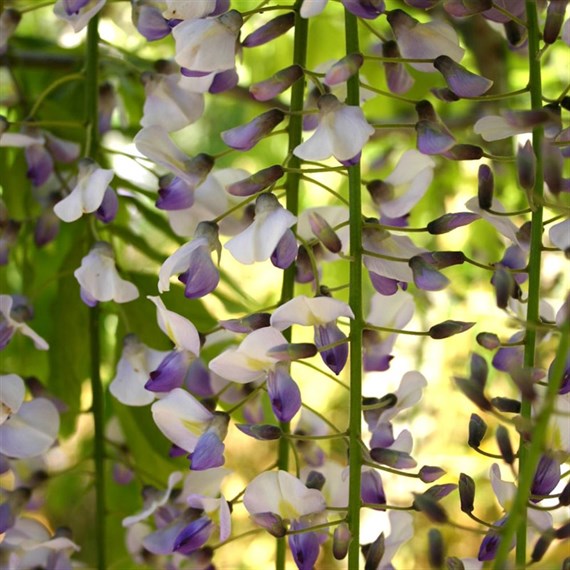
x=525, y=379
x=488, y=340
x=247, y=324
x=431, y=508
x=486, y=187
x=507, y=405
x=293, y=351
x=341, y=540
x=464, y=152
x=397, y=77
x=343, y=69
x=433, y=137
x=263, y=432
x=504, y=443
x=245, y=137
x=462, y=82
x=429, y=474
x=448, y=328
x=449, y=222
x=425, y=276
x=564, y=497
x=466, y=493
x=271, y=522
x=445, y=94
x=554, y=20
x=504, y=285
x=425, y=111
x=563, y=532
x=380, y=191
x=454, y=563
x=273, y=29
x=315, y=480
x=393, y=458
x=276, y=84
x=474, y=393
x=256, y=182
x=438, y=492
x=541, y=546
x=436, y=549
x=443, y=259
x=531, y=118
x=526, y=166
x=324, y=233
x=374, y=552
x=479, y=370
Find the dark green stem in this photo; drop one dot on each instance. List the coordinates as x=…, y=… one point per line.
x=517, y=521
x=357, y=324
x=292, y=200
x=91, y=142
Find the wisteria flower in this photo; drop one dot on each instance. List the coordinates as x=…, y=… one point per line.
x=11, y=322
x=27, y=429
x=100, y=280
x=133, y=369
x=207, y=45
x=88, y=194
x=77, y=12
x=342, y=132
x=259, y=240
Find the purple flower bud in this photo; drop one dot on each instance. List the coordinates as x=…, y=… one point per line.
x=273, y=29
x=171, y=372
x=276, y=84
x=374, y=552
x=324, y=233
x=488, y=340
x=40, y=164
x=74, y=6
x=208, y=453
x=462, y=82
x=194, y=536
x=509, y=358
x=464, y=152
x=293, y=351
x=504, y=443
x=546, y=477
x=262, y=432
x=449, y=222
x=304, y=547
x=436, y=548
x=150, y=23
x=315, y=480
x=486, y=187
x=286, y=250
x=367, y=9
x=477, y=431
x=122, y=475
x=532, y=118
x=271, y=522
x=504, y=285
x=449, y=328
x=335, y=358
x=507, y=405
x=554, y=20
x=245, y=137
x=174, y=193
x=474, y=392
x=433, y=137
x=464, y=8
x=341, y=540
x=62, y=150
x=47, y=226
x=393, y=458
x=563, y=532
x=466, y=493
x=526, y=166
x=371, y=489
x=443, y=259
x=106, y=106
x=491, y=543
x=343, y=69
x=431, y=508
x=425, y=276
x=564, y=498
x=107, y=211
x=224, y=81
x=284, y=394
x=429, y=474
x=479, y=370
x=256, y=182
x=541, y=546
x=247, y=324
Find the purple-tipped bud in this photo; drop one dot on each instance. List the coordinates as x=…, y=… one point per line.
x=367, y=9
x=461, y=81
x=171, y=372
x=449, y=222
x=464, y=8
x=526, y=166
x=454, y=563
x=174, y=193
x=563, y=532
x=486, y=187
x=271, y=522
x=541, y=546
x=106, y=106
x=546, y=477
x=47, y=226
x=122, y=475
x=245, y=137
x=315, y=480
x=464, y=152
x=532, y=118
x=286, y=250
x=224, y=81
x=393, y=458
x=276, y=84
x=150, y=23
x=324, y=233
x=436, y=549
x=554, y=20
x=474, y=393
x=488, y=340
x=433, y=137
x=256, y=182
x=429, y=473
x=371, y=489
x=397, y=76
x=109, y=207
x=449, y=328
x=194, y=536
x=273, y=29
x=431, y=508
x=507, y=405
x=40, y=164
x=479, y=370
x=198, y=379
x=443, y=259
x=425, y=276
x=341, y=540
x=504, y=285
x=262, y=432
x=343, y=69
x=293, y=351
x=374, y=552
x=564, y=497
x=247, y=324
x=304, y=269
x=284, y=394
x=380, y=191
x=491, y=543
x=466, y=493
x=444, y=94
x=505, y=446
x=335, y=358
x=438, y=492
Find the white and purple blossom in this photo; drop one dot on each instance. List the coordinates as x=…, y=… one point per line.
x=12, y=320
x=77, y=12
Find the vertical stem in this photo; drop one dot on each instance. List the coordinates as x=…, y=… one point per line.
x=292, y=203
x=97, y=394
x=517, y=522
x=356, y=326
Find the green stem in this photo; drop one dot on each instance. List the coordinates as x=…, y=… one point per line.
x=57, y=83
x=91, y=142
x=357, y=324
x=528, y=460
x=292, y=200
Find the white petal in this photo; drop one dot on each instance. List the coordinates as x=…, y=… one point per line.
x=311, y=8
x=6, y=303
x=504, y=490
x=179, y=329
x=70, y=208
x=559, y=235
x=20, y=140
x=351, y=131
x=175, y=9
x=80, y=20
x=318, y=147
x=207, y=483
x=502, y=224
x=496, y=128
x=307, y=311
x=393, y=311
x=177, y=263
x=32, y=431
x=39, y=342
x=12, y=393
x=181, y=418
